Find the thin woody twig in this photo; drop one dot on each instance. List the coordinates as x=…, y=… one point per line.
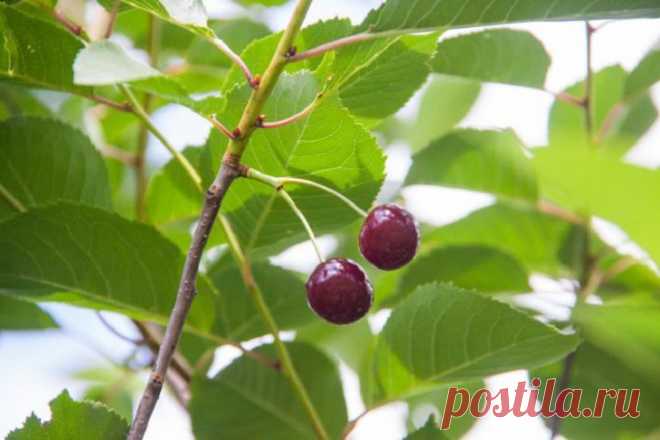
x=549, y=208
x=121, y=106
x=591, y=277
x=125, y=157
x=588, y=83
x=294, y=56
x=611, y=119
x=236, y=59
x=111, y=19
x=117, y=333
x=221, y=127
x=262, y=123
x=74, y=28
x=153, y=339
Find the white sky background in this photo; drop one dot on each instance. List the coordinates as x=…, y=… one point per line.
x=35, y=367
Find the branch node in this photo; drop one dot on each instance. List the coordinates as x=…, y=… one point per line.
x=221, y=127
x=256, y=81
x=236, y=133
x=157, y=378
x=259, y=121
x=291, y=52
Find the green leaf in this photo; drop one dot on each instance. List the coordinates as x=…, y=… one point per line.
x=480, y=268
x=16, y=100
x=43, y=161
x=628, y=332
x=383, y=86
x=429, y=431
x=488, y=161
x=21, y=315
x=327, y=147
x=618, y=123
x=514, y=57
x=92, y=258
x=424, y=14
x=283, y=291
x=445, y=103
x=644, y=76
x=105, y=63
x=598, y=184
x=442, y=334
x=37, y=53
x=593, y=370
x=258, y=402
x=73, y=420
x=541, y=243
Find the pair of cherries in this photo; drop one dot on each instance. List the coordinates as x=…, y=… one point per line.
x=338, y=290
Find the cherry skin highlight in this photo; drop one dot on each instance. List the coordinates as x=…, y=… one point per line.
x=389, y=237
x=339, y=291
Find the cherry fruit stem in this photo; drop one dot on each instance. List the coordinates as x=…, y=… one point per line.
x=287, y=198
x=286, y=361
x=278, y=182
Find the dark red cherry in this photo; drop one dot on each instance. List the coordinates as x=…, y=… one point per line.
x=389, y=237
x=339, y=291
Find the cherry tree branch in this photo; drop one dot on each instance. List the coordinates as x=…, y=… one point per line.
x=591, y=278
x=185, y=295
x=229, y=170
x=588, y=83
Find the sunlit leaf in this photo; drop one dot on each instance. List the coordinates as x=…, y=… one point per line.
x=400, y=15
x=598, y=184
x=514, y=57
x=466, y=336
x=488, y=161
x=541, y=243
